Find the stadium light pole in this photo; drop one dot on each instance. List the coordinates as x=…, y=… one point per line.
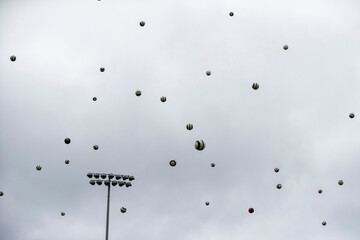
x=107, y=180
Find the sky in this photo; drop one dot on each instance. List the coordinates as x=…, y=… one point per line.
x=298, y=119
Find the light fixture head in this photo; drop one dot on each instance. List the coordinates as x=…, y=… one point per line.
x=92, y=182
x=90, y=175
x=121, y=183
x=131, y=178
x=99, y=182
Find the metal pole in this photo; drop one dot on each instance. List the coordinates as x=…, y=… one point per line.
x=107, y=214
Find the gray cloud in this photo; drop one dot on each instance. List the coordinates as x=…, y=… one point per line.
x=297, y=120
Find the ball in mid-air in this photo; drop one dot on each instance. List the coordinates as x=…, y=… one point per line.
x=172, y=163
x=255, y=86
x=200, y=145
x=123, y=210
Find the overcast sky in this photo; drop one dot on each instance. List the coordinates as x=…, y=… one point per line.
x=298, y=120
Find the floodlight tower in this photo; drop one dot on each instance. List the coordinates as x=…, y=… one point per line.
x=107, y=180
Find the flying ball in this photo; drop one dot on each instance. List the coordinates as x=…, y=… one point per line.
x=255, y=86
x=123, y=210
x=172, y=163
x=200, y=145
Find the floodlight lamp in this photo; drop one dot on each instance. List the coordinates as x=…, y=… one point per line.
x=128, y=184
x=96, y=175
x=125, y=177
x=114, y=183
x=90, y=175
x=92, y=182
x=107, y=183
x=99, y=182
x=117, y=177
x=103, y=175
x=121, y=183
x=111, y=176
x=131, y=178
